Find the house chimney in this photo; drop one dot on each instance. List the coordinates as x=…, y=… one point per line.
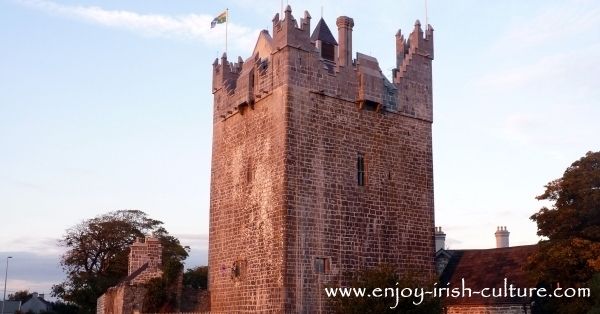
x=440, y=239
x=501, y=237
x=344, y=25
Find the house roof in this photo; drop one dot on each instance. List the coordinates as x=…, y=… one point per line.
x=487, y=269
x=10, y=306
x=35, y=304
x=323, y=33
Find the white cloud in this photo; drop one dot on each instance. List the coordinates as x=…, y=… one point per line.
x=553, y=49
x=40, y=245
x=33, y=271
x=555, y=71
x=196, y=241
x=547, y=129
x=522, y=75
x=44, y=287
x=554, y=24
x=195, y=27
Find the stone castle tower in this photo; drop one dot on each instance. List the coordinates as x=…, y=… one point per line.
x=320, y=166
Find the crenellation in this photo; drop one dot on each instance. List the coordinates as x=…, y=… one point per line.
x=408, y=94
x=224, y=74
x=305, y=23
x=401, y=51
x=276, y=23
x=286, y=32
x=412, y=76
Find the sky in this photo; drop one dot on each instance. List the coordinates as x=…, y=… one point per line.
x=107, y=105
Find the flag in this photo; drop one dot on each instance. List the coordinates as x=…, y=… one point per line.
x=222, y=18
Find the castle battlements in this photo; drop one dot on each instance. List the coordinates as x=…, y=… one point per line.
x=325, y=66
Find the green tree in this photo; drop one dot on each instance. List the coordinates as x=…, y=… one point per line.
x=383, y=277
x=570, y=254
x=196, y=278
x=21, y=295
x=157, y=295
x=161, y=293
x=97, y=251
x=62, y=308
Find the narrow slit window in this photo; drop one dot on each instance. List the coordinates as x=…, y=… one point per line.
x=360, y=170
x=321, y=265
x=238, y=270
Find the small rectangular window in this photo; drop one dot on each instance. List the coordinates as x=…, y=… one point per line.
x=249, y=174
x=360, y=170
x=321, y=265
x=238, y=270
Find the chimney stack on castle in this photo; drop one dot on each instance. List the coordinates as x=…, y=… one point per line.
x=501, y=237
x=344, y=25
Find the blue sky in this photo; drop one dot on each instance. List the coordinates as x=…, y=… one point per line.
x=106, y=105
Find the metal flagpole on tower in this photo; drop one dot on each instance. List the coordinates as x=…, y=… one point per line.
x=226, y=23
x=426, y=17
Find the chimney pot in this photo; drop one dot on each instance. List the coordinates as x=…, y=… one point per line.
x=502, y=235
x=440, y=239
x=345, y=25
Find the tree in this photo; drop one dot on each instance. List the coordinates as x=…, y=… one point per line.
x=62, y=308
x=97, y=252
x=570, y=256
x=161, y=293
x=157, y=296
x=21, y=295
x=383, y=277
x=196, y=278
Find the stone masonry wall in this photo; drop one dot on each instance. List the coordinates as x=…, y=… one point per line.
x=141, y=252
x=246, y=247
x=287, y=215
x=122, y=299
x=329, y=216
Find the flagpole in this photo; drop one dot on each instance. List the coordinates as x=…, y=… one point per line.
x=226, y=23
x=426, y=17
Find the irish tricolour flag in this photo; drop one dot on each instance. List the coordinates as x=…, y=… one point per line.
x=222, y=18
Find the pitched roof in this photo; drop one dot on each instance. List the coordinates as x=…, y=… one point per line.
x=487, y=269
x=323, y=33
x=10, y=306
x=264, y=45
x=35, y=304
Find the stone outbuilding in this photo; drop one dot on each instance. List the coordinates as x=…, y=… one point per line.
x=127, y=297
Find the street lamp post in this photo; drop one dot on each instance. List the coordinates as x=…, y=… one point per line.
x=5, y=277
